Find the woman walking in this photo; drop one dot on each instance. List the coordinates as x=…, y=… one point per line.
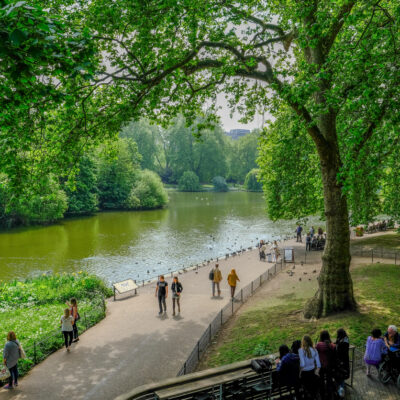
x=67, y=321
x=232, y=280
x=11, y=355
x=73, y=310
x=309, y=367
x=176, y=288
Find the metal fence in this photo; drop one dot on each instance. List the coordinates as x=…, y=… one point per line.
x=223, y=316
x=375, y=253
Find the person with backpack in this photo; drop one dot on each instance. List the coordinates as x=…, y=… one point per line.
x=216, y=277
x=73, y=309
x=162, y=294
x=309, y=367
x=326, y=353
x=11, y=354
x=176, y=288
x=342, y=370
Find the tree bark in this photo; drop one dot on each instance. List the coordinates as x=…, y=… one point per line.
x=335, y=292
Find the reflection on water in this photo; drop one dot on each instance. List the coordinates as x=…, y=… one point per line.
x=118, y=245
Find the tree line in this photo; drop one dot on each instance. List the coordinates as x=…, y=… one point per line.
x=178, y=149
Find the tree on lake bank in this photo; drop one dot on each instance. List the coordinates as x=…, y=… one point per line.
x=334, y=64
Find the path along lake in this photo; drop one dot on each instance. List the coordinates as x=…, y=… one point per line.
x=126, y=244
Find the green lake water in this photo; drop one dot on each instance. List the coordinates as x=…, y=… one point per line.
x=141, y=244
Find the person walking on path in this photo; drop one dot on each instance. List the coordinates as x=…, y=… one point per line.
x=67, y=322
x=11, y=354
x=374, y=350
x=73, y=310
x=299, y=229
x=217, y=278
x=232, y=280
x=312, y=231
x=162, y=294
x=176, y=288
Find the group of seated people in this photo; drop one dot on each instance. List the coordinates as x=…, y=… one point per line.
x=318, y=372
x=378, y=226
x=315, y=242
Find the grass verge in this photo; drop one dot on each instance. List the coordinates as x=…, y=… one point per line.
x=388, y=241
x=262, y=329
x=33, y=308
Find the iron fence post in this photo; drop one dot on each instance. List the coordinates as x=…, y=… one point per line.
x=198, y=351
x=232, y=304
x=184, y=368
x=260, y=280
x=372, y=256
x=251, y=287
x=221, y=318
x=210, y=333
x=395, y=258
x=241, y=295
x=85, y=320
x=34, y=353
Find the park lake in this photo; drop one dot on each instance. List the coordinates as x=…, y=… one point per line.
x=141, y=244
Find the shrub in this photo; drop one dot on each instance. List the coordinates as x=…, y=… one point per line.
x=189, y=182
x=148, y=193
x=251, y=182
x=220, y=184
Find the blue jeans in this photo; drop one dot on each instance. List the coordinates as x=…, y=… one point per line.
x=13, y=375
x=161, y=303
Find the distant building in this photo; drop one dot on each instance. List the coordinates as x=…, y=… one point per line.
x=237, y=133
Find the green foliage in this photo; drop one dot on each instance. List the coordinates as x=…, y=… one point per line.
x=220, y=184
x=251, y=182
x=82, y=198
x=242, y=156
x=41, y=202
x=189, y=182
x=148, y=193
x=118, y=175
x=33, y=309
x=290, y=169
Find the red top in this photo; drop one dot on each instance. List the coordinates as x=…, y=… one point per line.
x=326, y=353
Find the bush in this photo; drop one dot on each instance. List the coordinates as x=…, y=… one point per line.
x=148, y=193
x=32, y=308
x=220, y=184
x=189, y=182
x=251, y=182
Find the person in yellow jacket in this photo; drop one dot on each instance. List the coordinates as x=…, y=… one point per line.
x=216, y=280
x=232, y=280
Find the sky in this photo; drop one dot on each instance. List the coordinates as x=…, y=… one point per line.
x=229, y=123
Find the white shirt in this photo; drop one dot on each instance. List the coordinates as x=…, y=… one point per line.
x=66, y=323
x=308, y=364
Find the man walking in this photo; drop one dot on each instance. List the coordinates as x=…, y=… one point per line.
x=162, y=292
x=312, y=231
x=216, y=280
x=298, y=233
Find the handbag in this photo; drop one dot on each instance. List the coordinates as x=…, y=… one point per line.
x=22, y=353
x=4, y=374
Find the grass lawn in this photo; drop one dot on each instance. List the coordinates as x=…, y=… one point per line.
x=262, y=329
x=389, y=241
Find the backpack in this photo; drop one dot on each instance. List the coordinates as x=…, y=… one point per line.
x=211, y=275
x=261, y=365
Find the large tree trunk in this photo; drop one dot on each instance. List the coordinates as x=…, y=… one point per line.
x=335, y=292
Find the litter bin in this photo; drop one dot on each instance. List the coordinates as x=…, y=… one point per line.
x=269, y=257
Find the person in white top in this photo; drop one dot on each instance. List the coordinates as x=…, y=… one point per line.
x=309, y=367
x=275, y=251
x=67, y=321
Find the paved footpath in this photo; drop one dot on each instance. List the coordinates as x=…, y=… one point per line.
x=133, y=346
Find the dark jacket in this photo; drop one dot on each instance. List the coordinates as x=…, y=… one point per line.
x=289, y=370
x=176, y=287
x=342, y=368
